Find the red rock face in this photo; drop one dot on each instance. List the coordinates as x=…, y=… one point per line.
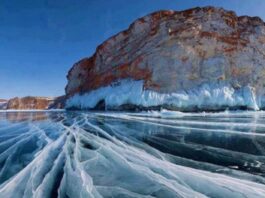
x=29, y=103
x=174, y=51
x=40, y=103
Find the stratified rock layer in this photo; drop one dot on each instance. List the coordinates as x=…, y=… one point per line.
x=176, y=52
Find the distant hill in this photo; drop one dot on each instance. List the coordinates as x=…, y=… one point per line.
x=32, y=102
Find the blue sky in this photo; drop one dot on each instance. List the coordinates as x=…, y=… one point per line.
x=41, y=39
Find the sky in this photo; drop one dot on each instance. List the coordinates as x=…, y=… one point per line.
x=40, y=40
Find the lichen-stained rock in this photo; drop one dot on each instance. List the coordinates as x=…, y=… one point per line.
x=179, y=52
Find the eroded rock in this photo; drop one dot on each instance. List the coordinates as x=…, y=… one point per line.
x=175, y=52
x=38, y=103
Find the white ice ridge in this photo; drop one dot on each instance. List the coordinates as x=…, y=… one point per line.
x=206, y=96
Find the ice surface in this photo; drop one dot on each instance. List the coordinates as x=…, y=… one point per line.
x=148, y=154
x=206, y=96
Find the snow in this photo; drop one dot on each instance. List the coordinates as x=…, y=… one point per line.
x=207, y=96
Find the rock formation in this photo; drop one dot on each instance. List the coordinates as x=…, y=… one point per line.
x=3, y=104
x=58, y=103
x=198, y=59
x=30, y=102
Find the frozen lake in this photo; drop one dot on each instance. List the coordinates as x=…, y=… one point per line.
x=153, y=154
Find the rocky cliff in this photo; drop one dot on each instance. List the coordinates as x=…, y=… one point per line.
x=198, y=59
x=30, y=102
x=3, y=103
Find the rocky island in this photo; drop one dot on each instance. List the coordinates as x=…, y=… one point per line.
x=193, y=60
x=31, y=102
